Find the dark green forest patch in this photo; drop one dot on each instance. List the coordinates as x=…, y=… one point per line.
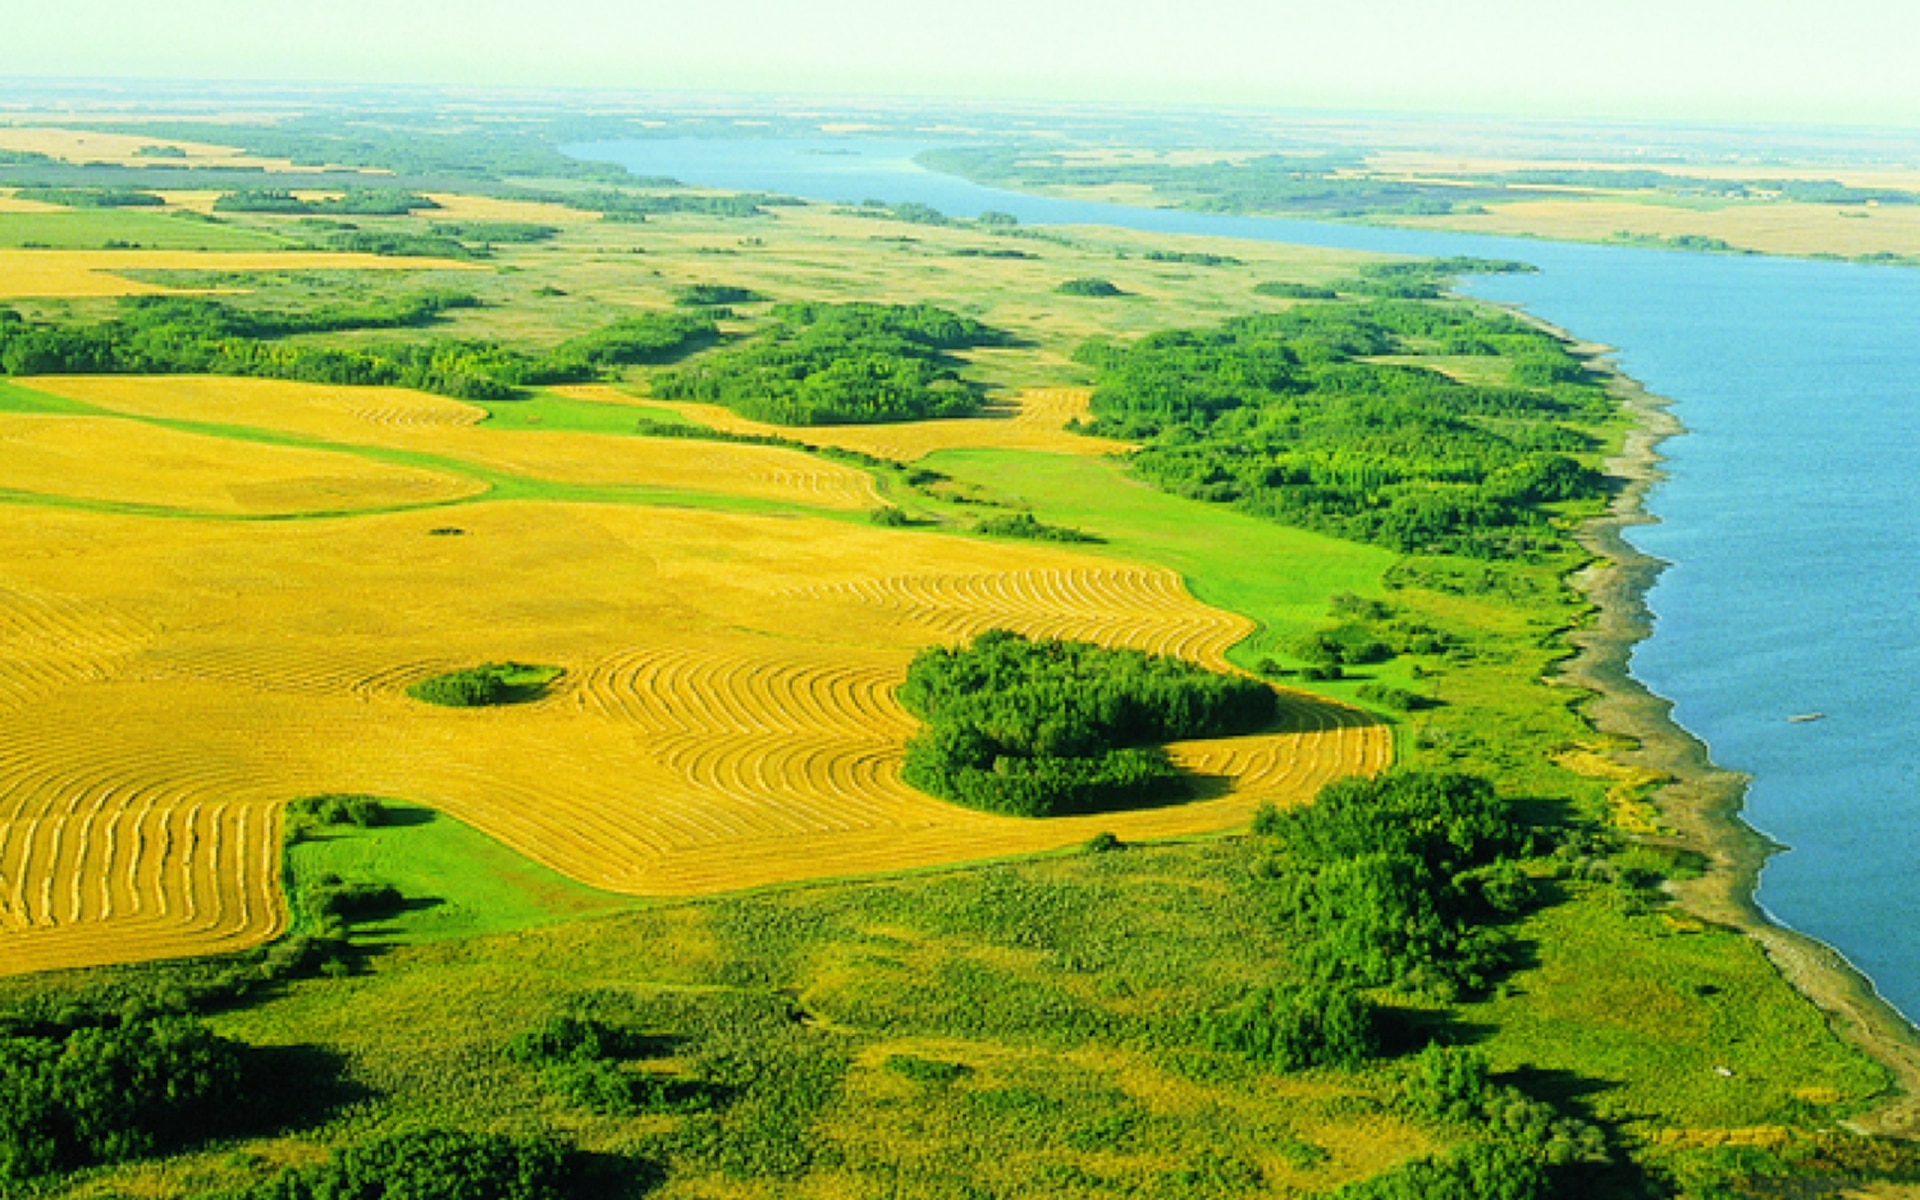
x=839, y=364
x=1044, y=728
x=485, y=686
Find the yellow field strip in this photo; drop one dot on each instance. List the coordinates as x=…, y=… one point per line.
x=79, y=274
x=1033, y=420
x=727, y=717
x=11, y=203
x=397, y=419
x=126, y=462
x=83, y=146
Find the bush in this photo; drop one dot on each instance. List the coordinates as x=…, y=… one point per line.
x=486, y=685
x=1477, y=1172
x=1025, y=526
x=97, y=1093
x=92, y=197
x=364, y=812
x=359, y=202
x=1285, y=416
x=1294, y=291
x=1454, y=1085
x=434, y=1165
x=714, y=295
x=1294, y=1027
x=332, y=900
x=926, y=1070
x=582, y=1060
x=1040, y=728
x=1088, y=287
x=1397, y=699
x=189, y=335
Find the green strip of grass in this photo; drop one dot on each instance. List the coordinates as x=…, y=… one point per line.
x=1280, y=577
x=457, y=881
x=23, y=400
x=148, y=231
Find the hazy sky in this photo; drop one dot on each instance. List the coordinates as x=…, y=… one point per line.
x=1814, y=60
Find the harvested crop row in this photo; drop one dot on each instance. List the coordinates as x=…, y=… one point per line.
x=1139, y=608
x=49, y=642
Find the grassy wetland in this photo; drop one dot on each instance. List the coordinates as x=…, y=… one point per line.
x=674, y=920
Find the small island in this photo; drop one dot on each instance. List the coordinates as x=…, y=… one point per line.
x=488, y=685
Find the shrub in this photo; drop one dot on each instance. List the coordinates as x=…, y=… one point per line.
x=1294, y=291
x=1476, y=1172
x=364, y=812
x=582, y=1060
x=96, y=1093
x=486, y=685
x=434, y=1165
x=1380, y=878
x=713, y=295
x=1292, y=1027
x=1088, y=287
x=1398, y=699
x=1024, y=525
x=926, y=1070
x=1454, y=1085
x=330, y=899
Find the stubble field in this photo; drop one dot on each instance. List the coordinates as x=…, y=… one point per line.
x=726, y=718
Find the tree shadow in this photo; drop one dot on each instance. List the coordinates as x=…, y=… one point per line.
x=603, y=1176
x=295, y=1087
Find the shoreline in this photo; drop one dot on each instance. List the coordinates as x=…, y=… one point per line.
x=1699, y=801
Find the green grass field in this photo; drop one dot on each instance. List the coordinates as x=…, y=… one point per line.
x=94, y=230
x=1281, y=577
x=467, y=884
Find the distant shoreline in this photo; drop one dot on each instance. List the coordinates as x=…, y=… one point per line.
x=1701, y=802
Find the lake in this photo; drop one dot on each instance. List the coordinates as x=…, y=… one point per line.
x=1790, y=518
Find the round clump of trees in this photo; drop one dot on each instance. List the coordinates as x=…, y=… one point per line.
x=486, y=685
x=1040, y=728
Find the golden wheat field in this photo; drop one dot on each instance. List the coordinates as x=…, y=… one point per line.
x=392, y=418
x=726, y=718
x=81, y=274
x=114, y=461
x=1033, y=420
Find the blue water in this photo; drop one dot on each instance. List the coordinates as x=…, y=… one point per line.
x=1790, y=518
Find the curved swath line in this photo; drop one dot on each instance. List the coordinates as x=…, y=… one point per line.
x=766, y=733
x=82, y=852
x=411, y=416
x=63, y=796
x=592, y=828
x=394, y=681
x=276, y=670
x=52, y=642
